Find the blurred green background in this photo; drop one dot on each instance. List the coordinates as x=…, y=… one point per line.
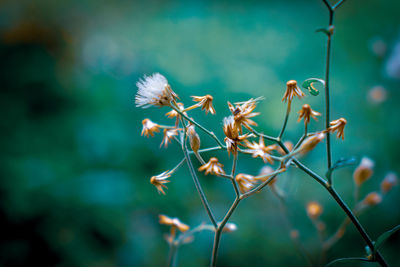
x=74, y=188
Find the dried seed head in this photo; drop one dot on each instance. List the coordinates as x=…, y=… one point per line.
x=314, y=210
x=160, y=180
x=154, y=90
x=260, y=150
x=243, y=112
x=149, y=128
x=372, y=199
x=194, y=138
x=205, y=102
x=338, y=126
x=311, y=142
x=364, y=171
x=168, y=135
x=232, y=134
x=388, y=183
x=245, y=181
x=173, y=222
x=306, y=112
x=292, y=90
x=213, y=167
x=229, y=227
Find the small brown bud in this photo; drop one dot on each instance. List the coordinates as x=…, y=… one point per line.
x=311, y=142
x=193, y=138
x=372, y=199
x=364, y=171
x=388, y=183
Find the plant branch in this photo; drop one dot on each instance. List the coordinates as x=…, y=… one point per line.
x=196, y=180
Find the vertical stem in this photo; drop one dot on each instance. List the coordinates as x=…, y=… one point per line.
x=327, y=97
x=218, y=231
x=217, y=236
x=173, y=250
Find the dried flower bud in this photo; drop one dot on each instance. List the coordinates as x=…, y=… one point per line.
x=372, y=199
x=205, y=102
x=229, y=227
x=364, y=171
x=292, y=90
x=212, y=167
x=260, y=150
x=174, y=222
x=232, y=135
x=193, y=138
x=311, y=142
x=149, y=128
x=168, y=135
x=314, y=210
x=338, y=125
x=242, y=113
x=388, y=183
x=245, y=181
x=160, y=180
x=306, y=112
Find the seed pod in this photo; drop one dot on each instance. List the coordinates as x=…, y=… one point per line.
x=193, y=138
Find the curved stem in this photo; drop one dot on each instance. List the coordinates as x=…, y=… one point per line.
x=285, y=121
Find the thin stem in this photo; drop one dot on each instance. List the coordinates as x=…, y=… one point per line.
x=211, y=134
x=285, y=215
x=217, y=236
x=338, y=4
x=341, y=203
x=173, y=251
x=303, y=137
x=270, y=138
x=196, y=180
x=327, y=98
x=285, y=121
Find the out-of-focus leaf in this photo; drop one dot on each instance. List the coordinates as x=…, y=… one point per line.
x=383, y=237
x=343, y=261
x=309, y=85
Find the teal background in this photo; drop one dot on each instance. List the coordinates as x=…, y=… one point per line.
x=74, y=188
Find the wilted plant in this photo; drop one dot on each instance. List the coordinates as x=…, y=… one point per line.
x=242, y=138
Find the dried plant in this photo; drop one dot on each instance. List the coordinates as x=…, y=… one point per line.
x=242, y=138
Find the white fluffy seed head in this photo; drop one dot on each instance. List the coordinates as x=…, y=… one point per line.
x=153, y=91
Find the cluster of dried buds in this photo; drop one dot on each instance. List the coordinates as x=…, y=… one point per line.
x=238, y=129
